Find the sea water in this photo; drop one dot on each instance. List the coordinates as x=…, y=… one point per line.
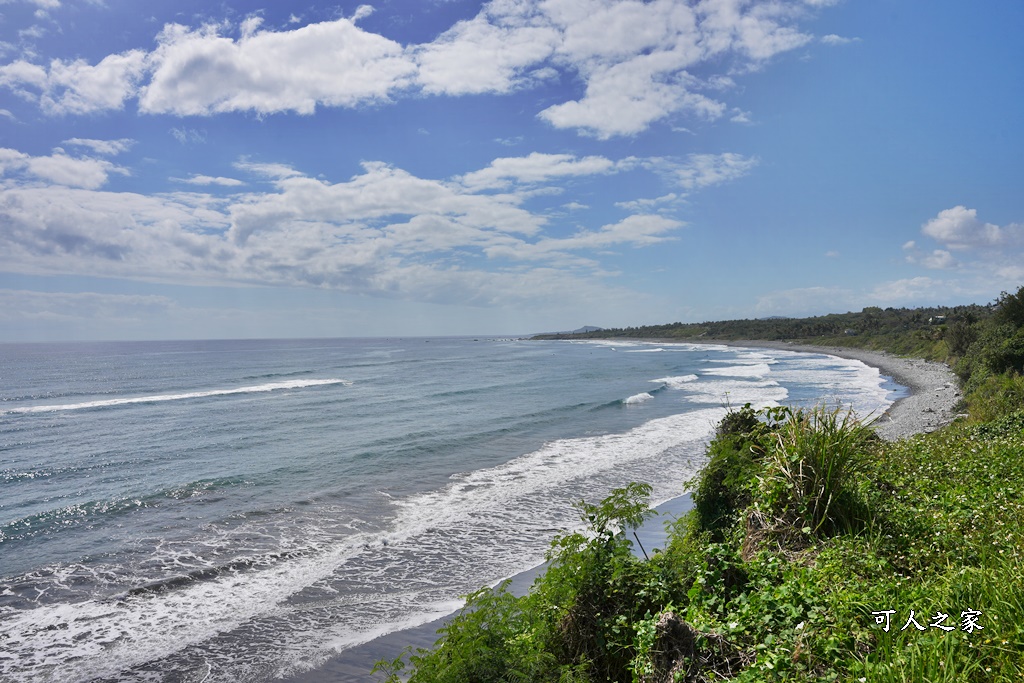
x=243, y=510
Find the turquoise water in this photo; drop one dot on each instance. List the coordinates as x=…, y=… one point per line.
x=242, y=510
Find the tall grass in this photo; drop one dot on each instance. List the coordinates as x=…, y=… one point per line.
x=807, y=480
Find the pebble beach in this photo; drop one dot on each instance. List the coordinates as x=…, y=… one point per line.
x=934, y=393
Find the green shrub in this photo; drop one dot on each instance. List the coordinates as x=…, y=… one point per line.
x=723, y=488
x=807, y=484
x=990, y=397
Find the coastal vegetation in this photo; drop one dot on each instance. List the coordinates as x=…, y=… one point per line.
x=815, y=551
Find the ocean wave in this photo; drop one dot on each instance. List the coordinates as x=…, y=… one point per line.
x=65, y=518
x=675, y=382
x=737, y=392
x=636, y=399
x=751, y=370
x=158, y=398
x=311, y=601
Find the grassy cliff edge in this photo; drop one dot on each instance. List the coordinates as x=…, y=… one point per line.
x=815, y=551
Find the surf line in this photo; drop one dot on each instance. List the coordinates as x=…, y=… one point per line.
x=158, y=398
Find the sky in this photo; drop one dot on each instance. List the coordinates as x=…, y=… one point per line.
x=255, y=169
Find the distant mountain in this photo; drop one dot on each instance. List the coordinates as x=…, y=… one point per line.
x=587, y=328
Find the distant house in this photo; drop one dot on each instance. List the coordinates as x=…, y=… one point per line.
x=850, y=333
x=937, y=320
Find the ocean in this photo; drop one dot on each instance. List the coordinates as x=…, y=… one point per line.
x=244, y=510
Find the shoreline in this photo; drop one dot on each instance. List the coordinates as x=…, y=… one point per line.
x=930, y=405
x=353, y=664
x=934, y=391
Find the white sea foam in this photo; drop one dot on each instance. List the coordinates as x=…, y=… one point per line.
x=832, y=377
x=638, y=398
x=737, y=392
x=677, y=382
x=157, y=398
x=752, y=370
x=483, y=525
x=656, y=350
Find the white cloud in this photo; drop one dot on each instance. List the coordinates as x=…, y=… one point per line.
x=483, y=54
x=959, y=228
x=832, y=253
x=633, y=58
x=939, y=259
x=649, y=204
x=703, y=170
x=625, y=98
x=201, y=72
x=383, y=232
x=833, y=39
x=535, y=168
x=740, y=116
x=636, y=231
x=196, y=179
x=267, y=170
x=188, y=135
x=60, y=168
x=107, y=147
x=77, y=87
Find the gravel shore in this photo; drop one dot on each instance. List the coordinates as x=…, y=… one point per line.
x=934, y=393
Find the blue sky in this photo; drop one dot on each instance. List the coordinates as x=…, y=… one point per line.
x=419, y=167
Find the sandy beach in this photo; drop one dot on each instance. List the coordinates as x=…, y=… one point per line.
x=930, y=405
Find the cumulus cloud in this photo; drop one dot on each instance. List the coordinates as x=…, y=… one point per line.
x=334, y=63
x=59, y=168
x=490, y=53
x=535, y=168
x=959, y=228
x=635, y=56
x=970, y=245
x=633, y=59
x=384, y=232
x=77, y=87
